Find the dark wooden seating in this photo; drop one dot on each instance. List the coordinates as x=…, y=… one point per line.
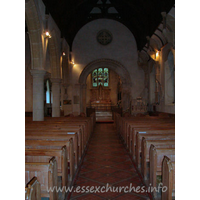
x=46, y=175
x=33, y=190
x=55, y=136
x=43, y=144
x=43, y=155
x=145, y=147
x=44, y=126
x=161, y=135
x=151, y=143
x=156, y=158
x=168, y=178
x=54, y=148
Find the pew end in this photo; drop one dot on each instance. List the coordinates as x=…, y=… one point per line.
x=168, y=178
x=33, y=190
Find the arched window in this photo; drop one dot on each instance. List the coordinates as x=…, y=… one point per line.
x=47, y=92
x=100, y=76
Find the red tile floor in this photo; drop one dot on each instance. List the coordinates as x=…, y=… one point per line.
x=107, y=165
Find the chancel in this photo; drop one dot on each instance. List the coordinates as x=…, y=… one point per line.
x=100, y=97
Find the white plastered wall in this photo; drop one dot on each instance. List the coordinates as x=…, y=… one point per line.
x=123, y=48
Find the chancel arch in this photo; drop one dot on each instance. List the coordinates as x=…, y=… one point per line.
x=113, y=65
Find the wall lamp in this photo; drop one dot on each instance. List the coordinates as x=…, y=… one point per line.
x=47, y=34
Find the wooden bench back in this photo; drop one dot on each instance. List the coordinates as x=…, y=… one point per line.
x=161, y=135
x=145, y=147
x=43, y=144
x=46, y=175
x=33, y=190
x=168, y=178
x=156, y=158
x=43, y=155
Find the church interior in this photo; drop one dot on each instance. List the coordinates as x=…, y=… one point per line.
x=100, y=99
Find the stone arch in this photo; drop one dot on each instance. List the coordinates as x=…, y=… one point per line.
x=35, y=34
x=111, y=64
x=116, y=67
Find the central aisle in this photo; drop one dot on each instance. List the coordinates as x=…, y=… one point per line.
x=107, y=163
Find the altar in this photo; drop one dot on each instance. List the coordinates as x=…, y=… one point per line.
x=101, y=105
x=100, y=98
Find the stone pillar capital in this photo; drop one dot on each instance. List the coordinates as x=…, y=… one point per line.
x=56, y=80
x=38, y=73
x=65, y=85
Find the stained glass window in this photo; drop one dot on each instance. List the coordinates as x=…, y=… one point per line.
x=100, y=76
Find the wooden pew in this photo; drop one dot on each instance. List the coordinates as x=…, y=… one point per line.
x=156, y=158
x=46, y=175
x=55, y=136
x=154, y=135
x=44, y=126
x=168, y=178
x=33, y=190
x=85, y=121
x=146, y=143
x=43, y=155
x=129, y=124
x=43, y=144
x=146, y=129
x=133, y=122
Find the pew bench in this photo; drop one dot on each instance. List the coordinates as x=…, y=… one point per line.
x=43, y=155
x=33, y=190
x=168, y=178
x=48, y=145
x=160, y=135
x=61, y=127
x=149, y=129
x=146, y=143
x=47, y=176
x=55, y=136
x=156, y=158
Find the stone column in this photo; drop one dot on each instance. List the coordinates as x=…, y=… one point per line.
x=83, y=98
x=56, y=97
x=38, y=94
x=158, y=82
x=125, y=97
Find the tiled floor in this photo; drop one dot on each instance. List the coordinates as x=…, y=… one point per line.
x=107, y=165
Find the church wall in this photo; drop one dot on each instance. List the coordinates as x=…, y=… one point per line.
x=165, y=106
x=28, y=77
x=123, y=49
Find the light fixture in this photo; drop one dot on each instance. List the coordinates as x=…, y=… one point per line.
x=157, y=54
x=63, y=53
x=47, y=34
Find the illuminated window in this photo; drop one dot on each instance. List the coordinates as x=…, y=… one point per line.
x=100, y=76
x=47, y=92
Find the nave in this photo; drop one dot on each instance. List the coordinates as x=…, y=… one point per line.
x=107, y=162
x=117, y=160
